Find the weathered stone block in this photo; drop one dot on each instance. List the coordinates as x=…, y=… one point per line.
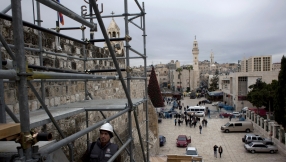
x=52, y=102
x=57, y=101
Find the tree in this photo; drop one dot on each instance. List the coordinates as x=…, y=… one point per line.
x=214, y=82
x=154, y=90
x=189, y=68
x=280, y=96
x=180, y=70
x=259, y=94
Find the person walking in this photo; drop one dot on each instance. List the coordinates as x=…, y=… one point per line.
x=220, y=151
x=215, y=151
x=230, y=117
x=175, y=121
x=200, y=127
x=206, y=122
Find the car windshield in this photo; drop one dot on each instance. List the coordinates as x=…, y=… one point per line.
x=192, y=152
x=181, y=139
x=227, y=124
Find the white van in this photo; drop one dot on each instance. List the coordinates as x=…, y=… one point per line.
x=237, y=126
x=194, y=109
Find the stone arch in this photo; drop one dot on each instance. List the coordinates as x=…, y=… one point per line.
x=114, y=34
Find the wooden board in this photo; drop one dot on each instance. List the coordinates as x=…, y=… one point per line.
x=9, y=129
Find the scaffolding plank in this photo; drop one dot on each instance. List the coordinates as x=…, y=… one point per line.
x=39, y=117
x=9, y=129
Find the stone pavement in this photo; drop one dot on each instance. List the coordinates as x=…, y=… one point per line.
x=233, y=147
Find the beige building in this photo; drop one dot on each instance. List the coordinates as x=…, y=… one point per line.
x=276, y=66
x=235, y=86
x=257, y=63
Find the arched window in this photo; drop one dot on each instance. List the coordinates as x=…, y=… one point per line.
x=114, y=34
x=109, y=34
x=117, y=34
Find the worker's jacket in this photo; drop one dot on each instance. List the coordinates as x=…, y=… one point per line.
x=102, y=154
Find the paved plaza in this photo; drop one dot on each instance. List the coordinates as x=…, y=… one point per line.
x=233, y=147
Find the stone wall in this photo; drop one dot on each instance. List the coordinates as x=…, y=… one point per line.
x=58, y=93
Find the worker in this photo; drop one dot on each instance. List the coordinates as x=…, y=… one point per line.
x=102, y=150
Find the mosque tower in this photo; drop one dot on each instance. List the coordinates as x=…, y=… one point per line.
x=195, y=55
x=196, y=76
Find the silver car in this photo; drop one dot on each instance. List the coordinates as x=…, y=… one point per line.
x=260, y=147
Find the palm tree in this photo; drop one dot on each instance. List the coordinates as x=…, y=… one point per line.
x=190, y=67
x=180, y=70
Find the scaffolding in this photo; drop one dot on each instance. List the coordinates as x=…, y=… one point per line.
x=21, y=74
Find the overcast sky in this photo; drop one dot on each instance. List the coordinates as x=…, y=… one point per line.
x=231, y=29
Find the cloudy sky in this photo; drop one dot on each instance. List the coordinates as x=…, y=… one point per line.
x=233, y=30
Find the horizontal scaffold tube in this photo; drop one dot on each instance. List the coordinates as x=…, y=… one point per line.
x=7, y=17
x=52, y=147
x=53, y=75
x=60, y=8
x=8, y=74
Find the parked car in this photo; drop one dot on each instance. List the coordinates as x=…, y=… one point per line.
x=200, y=114
x=237, y=126
x=183, y=141
x=260, y=147
x=236, y=114
x=256, y=138
x=225, y=115
x=172, y=111
x=215, y=103
x=162, y=140
x=191, y=151
x=206, y=101
x=248, y=135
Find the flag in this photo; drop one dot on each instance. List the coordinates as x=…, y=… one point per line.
x=61, y=16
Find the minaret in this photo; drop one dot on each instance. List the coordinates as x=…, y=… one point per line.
x=195, y=55
x=212, y=58
x=196, y=72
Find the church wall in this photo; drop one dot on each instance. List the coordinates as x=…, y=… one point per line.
x=58, y=93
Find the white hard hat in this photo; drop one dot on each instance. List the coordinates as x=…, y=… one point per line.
x=107, y=127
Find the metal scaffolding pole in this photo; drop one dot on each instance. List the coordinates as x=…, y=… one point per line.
x=51, y=118
x=127, y=47
x=2, y=104
x=4, y=43
x=11, y=114
x=62, y=9
x=7, y=17
x=146, y=85
x=6, y=9
x=118, y=58
x=104, y=33
x=18, y=35
x=120, y=150
x=110, y=16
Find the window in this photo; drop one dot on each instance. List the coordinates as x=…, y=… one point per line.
x=259, y=138
x=254, y=138
x=113, y=34
x=230, y=125
x=238, y=124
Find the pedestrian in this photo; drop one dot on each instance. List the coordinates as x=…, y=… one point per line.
x=175, y=121
x=203, y=122
x=179, y=122
x=200, y=127
x=230, y=117
x=102, y=149
x=215, y=151
x=209, y=113
x=220, y=151
x=206, y=122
